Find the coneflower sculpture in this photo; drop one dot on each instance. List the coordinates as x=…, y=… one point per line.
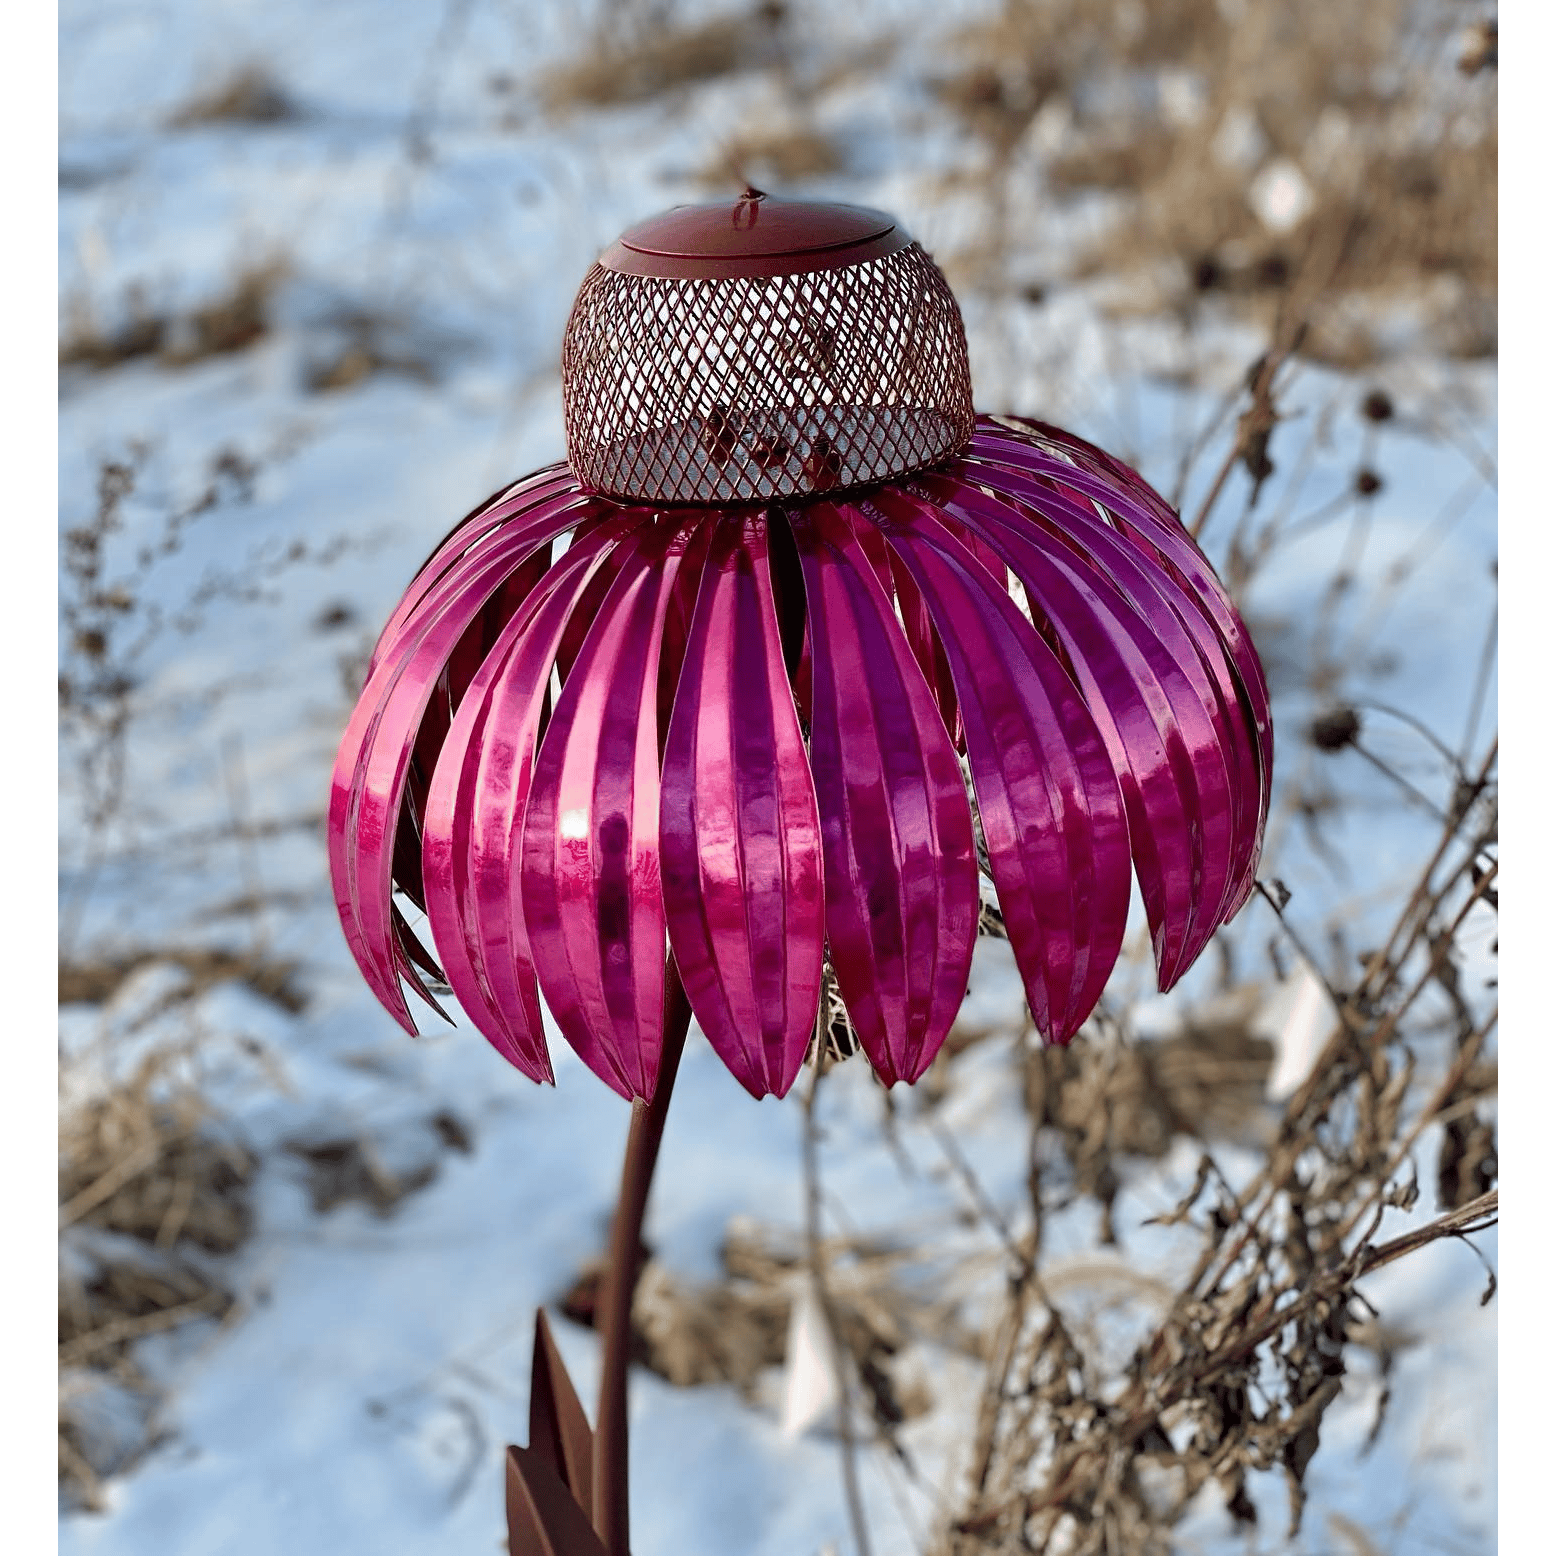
x=791, y=655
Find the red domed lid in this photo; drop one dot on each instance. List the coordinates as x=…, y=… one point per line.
x=755, y=235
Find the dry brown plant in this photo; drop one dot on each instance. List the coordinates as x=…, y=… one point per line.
x=1235, y=141
x=153, y=1189
x=780, y=154
x=248, y=94
x=234, y=319
x=641, y=52
x=1077, y=1453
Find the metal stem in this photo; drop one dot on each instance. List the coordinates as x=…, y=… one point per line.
x=621, y=1276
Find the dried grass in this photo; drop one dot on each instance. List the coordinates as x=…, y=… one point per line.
x=358, y=1168
x=1104, y=1102
x=250, y=94
x=780, y=155
x=154, y=1184
x=1386, y=153
x=634, y=57
x=357, y=344
x=94, y=981
x=153, y=1188
x=735, y=1329
x=235, y=319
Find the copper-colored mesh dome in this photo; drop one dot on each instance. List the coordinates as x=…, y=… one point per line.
x=762, y=349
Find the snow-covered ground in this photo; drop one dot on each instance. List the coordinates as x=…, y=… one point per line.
x=361, y=1398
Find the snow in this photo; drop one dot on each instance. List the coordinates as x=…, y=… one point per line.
x=362, y=1397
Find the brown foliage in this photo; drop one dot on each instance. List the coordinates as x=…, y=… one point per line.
x=151, y=1187
x=236, y=318
x=1245, y=1356
x=631, y=59
x=250, y=94
x=1174, y=110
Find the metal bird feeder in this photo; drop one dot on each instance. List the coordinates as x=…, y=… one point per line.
x=703, y=717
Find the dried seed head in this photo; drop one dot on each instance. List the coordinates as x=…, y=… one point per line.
x=1377, y=406
x=1335, y=730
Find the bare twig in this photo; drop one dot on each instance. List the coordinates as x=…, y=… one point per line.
x=1264, y=1321
x=816, y=1253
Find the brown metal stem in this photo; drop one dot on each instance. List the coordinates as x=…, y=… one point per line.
x=621, y=1277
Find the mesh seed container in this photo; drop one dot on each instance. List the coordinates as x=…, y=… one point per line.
x=765, y=349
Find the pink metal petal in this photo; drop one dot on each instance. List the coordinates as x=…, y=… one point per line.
x=1186, y=580
x=483, y=522
x=463, y=663
x=1146, y=516
x=1051, y=811
x=1091, y=458
x=900, y=866
x=918, y=625
x=590, y=851
x=1167, y=750
x=1178, y=621
x=475, y=808
x=371, y=769
x=739, y=833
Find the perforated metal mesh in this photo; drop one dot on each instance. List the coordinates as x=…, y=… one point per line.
x=752, y=387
